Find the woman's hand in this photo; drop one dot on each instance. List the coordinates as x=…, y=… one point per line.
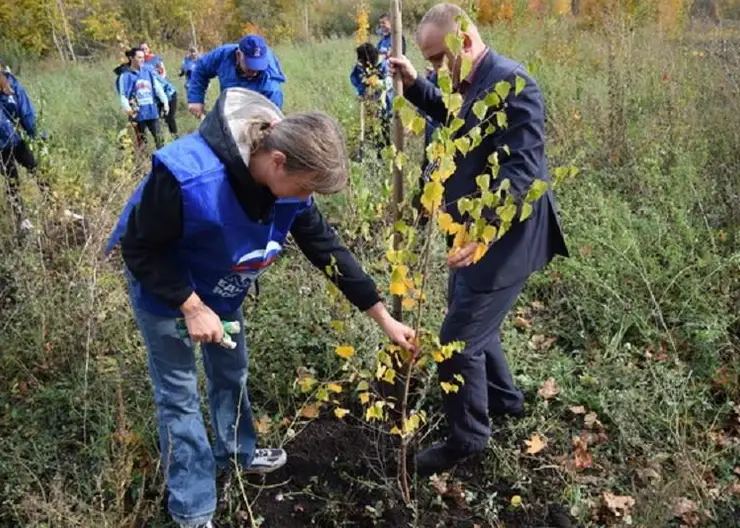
x=204, y=326
x=396, y=331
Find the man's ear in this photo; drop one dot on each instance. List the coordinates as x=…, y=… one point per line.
x=467, y=43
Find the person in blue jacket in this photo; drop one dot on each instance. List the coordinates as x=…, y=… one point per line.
x=16, y=114
x=371, y=81
x=188, y=65
x=171, y=93
x=385, y=43
x=139, y=90
x=208, y=220
x=153, y=61
x=250, y=64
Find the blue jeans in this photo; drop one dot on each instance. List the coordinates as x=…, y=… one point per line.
x=187, y=457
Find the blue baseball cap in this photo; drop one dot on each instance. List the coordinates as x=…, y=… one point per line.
x=255, y=50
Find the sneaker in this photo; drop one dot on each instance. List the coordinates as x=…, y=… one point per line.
x=267, y=461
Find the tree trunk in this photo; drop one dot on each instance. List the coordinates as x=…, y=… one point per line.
x=397, y=51
x=65, y=27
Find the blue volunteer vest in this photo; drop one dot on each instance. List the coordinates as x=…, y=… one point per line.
x=222, y=250
x=141, y=89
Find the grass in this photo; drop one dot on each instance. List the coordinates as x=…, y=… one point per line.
x=639, y=326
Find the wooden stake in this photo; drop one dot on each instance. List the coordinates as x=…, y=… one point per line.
x=396, y=52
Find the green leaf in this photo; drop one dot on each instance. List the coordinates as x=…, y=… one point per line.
x=401, y=160
x=536, y=191
x=444, y=81
x=490, y=199
x=418, y=124
x=520, y=84
x=502, y=88
x=483, y=181
x=526, y=211
x=501, y=120
x=453, y=102
x=399, y=102
x=505, y=185
x=464, y=205
x=465, y=66
x=362, y=386
x=475, y=136
x=407, y=114
x=463, y=21
x=493, y=159
x=506, y=149
x=506, y=213
x=492, y=100
x=456, y=125
x=454, y=43
x=479, y=109
x=490, y=129
x=463, y=144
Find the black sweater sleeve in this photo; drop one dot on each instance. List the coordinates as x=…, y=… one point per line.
x=155, y=224
x=319, y=243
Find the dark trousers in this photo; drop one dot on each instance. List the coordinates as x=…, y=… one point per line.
x=171, y=118
x=475, y=318
x=10, y=157
x=153, y=126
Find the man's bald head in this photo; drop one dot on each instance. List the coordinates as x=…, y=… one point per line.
x=436, y=24
x=445, y=16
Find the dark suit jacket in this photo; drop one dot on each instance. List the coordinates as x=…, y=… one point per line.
x=529, y=245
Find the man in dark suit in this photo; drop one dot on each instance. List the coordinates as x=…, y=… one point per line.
x=481, y=294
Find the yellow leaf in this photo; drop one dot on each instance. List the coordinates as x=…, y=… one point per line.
x=389, y=376
x=432, y=196
x=340, y=413
x=480, y=251
x=310, y=411
x=364, y=397
x=447, y=224
x=535, y=444
x=449, y=387
x=516, y=501
x=345, y=351
x=399, y=288
x=461, y=237
x=305, y=382
x=263, y=425
x=396, y=431
x=438, y=357
x=408, y=303
x=489, y=233
x=374, y=412
x=334, y=387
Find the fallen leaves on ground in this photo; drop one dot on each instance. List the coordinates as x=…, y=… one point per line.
x=549, y=389
x=264, y=424
x=579, y=409
x=449, y=490
x=686, y=510
x=310, y=411
x=619, y=506
x=535, y=444
x=539, y=342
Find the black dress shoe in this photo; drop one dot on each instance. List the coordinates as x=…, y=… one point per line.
x=437, y=459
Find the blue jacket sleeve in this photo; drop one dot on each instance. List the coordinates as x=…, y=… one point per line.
x=355, y=78
x=274, y=94
x=206, y=68
x=26, y=111
x=275, y=69
x=159, y=89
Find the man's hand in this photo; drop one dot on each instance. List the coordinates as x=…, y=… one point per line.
x=204, y=326
x=403, y=66
x=197, y=109
x=166, y=108
x=462, y=257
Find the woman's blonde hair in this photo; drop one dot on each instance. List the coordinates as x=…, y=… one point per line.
x=312, y=142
